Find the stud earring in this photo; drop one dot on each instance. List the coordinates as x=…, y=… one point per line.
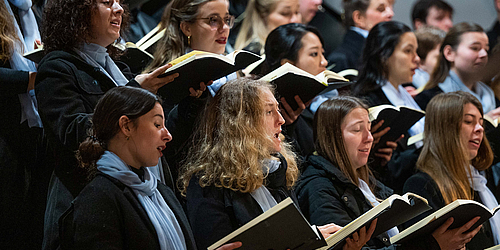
x=126, y=138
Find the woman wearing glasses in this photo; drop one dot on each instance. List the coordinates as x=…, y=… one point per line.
x=191, y=25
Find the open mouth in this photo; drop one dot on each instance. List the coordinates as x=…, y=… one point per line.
x=221, y=40
x=115, y=23
x=476, y=142
x=366, y=150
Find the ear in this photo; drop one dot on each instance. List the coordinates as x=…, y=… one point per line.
x=125, y=125
x=418, y=24
x=283, y=61
x=449, y=53
x=359, y=19
x=185, y=28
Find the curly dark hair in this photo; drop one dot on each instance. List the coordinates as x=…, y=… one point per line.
x=67, y=24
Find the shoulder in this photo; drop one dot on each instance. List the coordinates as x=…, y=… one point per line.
x=375, y=97
x=425, y=96
x=421, y=184
x=319, y=174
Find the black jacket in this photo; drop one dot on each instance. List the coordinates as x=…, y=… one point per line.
x=108, y=215
x=300, y=133
x=348, y=54
x=423, y=185
x=67, y=90
x=215, y=212
x=424, y=97
x=326, y=195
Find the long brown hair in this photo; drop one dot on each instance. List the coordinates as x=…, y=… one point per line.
x=174, y=43
x=444, y=157
x=329, y=140
x=232, y=143
x=8, y=34
x=453, y=39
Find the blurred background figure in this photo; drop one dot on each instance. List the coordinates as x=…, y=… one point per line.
x=436, y=13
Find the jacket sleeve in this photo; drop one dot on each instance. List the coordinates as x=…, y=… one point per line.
x=96, y=221
x=13, y=82
x=323, y=203
x=209, y=219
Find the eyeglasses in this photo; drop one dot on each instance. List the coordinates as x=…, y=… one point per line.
x=218, y=22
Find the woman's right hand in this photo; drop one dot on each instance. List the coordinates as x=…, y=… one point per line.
x=230, y=246
x=359, y=239
x=151, y=81
x=494, y=114
x=452, y=239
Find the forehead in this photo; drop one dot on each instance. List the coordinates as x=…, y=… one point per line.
x=267, y=96
x=220, y=7
x=375, y=3
x=407, y=38
x=285, y=4
x=470, y=109
x=356, y=115
x=473, y=37
x=435, y=12
x=310, y=40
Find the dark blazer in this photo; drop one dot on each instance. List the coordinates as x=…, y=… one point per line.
x=326, y=195
x=216, y=212
x=424, y=97
x=348, y=54
x=300, y=133
x=423, y=185
x=67, y=90
x=404, y=158
x=108, y=215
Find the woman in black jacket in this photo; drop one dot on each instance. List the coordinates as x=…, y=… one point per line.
x=337, y=186
x=239, y=167
x=454, y=154
x=126, y=206
x=75, y=73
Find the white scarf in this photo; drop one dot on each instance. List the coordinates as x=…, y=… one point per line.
x=482, y=92
x=401, y=97
x=367, y=192
x=18, y=62
x=478, y=183
x=262, y=195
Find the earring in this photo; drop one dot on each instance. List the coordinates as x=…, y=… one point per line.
x=126, y=138
x=189, y=40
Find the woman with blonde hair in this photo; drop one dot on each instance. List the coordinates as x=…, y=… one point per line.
x=455, y=152
x=239, y=168
x=263, y=16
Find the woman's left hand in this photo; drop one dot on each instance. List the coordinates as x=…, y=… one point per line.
x=359, y=239
x=151, y=81
x=329, y=229
x=385, y=153
x=288, y=113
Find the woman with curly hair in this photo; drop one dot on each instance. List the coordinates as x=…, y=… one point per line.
x=74, y=74
x=239, y=168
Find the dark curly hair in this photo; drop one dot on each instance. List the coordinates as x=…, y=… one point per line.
x=67, y=24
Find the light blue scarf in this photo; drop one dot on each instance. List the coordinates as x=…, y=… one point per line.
x=319, y=99
x=167, y=228
x=97, y=56
x=401, y=97
x=482, y=92
x=478, y=183
x=18, y=62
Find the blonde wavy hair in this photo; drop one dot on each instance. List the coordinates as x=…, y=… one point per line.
x=232, y=143
x=8, y=34
x=254, y=26
x=444, y=157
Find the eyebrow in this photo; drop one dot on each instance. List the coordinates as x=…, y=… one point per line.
x=159, y=115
